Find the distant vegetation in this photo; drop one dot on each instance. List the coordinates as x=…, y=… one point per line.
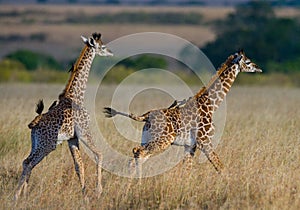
x=133, y=64
x=13, y=71
x=28, y=66
x=18, y=37
x=144, y=62
x=270, y=41
x=168, y=2
x=188, y=18
x=274, y=43
x=191, y=18
x=33, y=61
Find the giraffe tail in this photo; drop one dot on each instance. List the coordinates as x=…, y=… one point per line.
x=39, y=109
x=110, y=112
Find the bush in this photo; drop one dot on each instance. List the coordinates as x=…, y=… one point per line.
x=33, y=61
x=13, y=71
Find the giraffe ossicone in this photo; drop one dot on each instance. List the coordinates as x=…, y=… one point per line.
x=67, y=120
x=188, y=123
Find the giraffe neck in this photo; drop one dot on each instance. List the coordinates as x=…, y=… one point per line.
x=76, y=85
x=220, y=84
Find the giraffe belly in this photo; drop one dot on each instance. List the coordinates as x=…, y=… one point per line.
x=146, y=137
x=184, y=140
x=63, y=137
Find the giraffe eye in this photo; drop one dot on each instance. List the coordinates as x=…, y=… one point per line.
x=103, y=47
x=247, y=62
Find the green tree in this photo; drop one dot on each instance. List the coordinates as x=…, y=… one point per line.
x=255, y=28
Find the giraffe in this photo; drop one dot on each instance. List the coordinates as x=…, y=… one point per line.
x=188, y=123
x=66, y=120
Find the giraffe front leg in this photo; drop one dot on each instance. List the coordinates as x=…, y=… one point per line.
x=142, y=153
x=207, y=148
x=79, y=166
x=88, y=141
x=140, y=156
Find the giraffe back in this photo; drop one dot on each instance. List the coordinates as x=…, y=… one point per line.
x=179, y=122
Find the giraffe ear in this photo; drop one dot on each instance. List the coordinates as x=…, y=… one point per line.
x=85, y=40
x=89, y=42
x=236, y=58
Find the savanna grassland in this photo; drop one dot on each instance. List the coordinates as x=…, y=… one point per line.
x=260, y=149
x=260, y=145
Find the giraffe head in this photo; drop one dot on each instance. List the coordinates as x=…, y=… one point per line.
x=95, y=42
x=244, y=64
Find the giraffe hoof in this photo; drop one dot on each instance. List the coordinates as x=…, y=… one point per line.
x=16, y=198
x=86, y=200
x=83, y=190
x=99, y=191
x=131, y=167
x=136, y=152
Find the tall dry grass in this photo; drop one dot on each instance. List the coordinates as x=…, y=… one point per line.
x=260, y=149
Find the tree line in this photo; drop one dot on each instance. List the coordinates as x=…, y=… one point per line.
x=272, y=42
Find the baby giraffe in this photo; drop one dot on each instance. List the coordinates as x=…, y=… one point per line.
x=66, y=120
x=189, y=123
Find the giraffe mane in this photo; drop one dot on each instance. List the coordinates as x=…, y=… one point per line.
x=221, y=69
x=39, y=109
x=73, y=71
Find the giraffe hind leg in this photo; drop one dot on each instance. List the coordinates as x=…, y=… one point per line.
x=215, y=160
x=29, y=163
x=212, y=156
x=79, y=166
x=23, y=182
x=142, y=153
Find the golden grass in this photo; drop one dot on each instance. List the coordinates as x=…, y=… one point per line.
x=260, y=149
